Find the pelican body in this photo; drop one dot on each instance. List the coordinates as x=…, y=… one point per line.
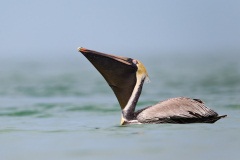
x=126, y=77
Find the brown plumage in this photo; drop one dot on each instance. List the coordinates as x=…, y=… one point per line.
x=126, y=77
x=178, y=110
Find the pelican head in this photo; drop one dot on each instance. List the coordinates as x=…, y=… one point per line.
x=121, y=73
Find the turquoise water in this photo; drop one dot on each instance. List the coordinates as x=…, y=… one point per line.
x=63, y=109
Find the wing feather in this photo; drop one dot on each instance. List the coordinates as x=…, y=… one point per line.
x=177, y=110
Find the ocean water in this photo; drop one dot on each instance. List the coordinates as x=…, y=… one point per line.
x=62, y=108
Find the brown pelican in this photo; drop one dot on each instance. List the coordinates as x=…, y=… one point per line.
x=126, y=77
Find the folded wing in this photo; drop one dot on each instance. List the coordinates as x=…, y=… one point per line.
x=178, y=110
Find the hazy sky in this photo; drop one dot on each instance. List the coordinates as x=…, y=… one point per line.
x=56, y=27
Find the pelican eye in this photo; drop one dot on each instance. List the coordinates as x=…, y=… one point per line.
x=134, y=61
